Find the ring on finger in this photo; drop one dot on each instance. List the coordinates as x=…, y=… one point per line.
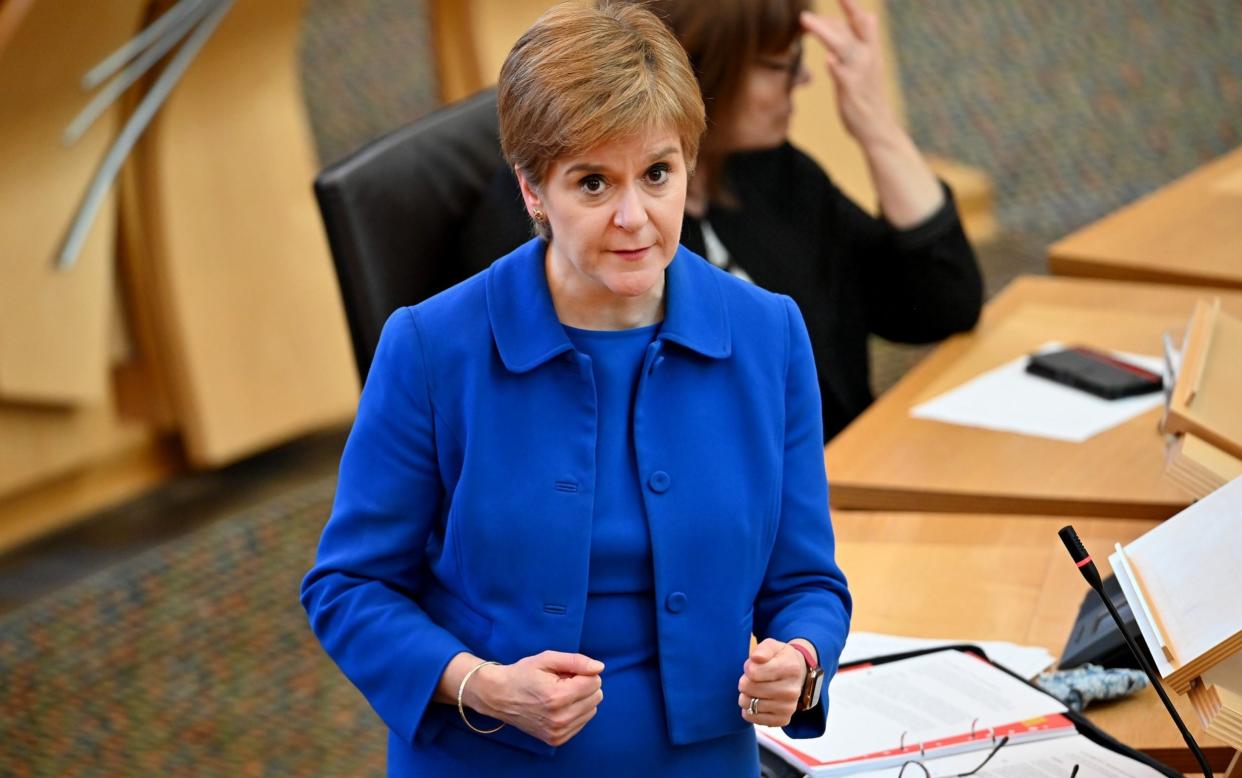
x=754, y=704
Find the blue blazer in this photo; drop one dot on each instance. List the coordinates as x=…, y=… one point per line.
x=462, y=519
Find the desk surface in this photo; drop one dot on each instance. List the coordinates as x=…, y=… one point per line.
x=887, y=460
x=972, y=577
x=1185, y=233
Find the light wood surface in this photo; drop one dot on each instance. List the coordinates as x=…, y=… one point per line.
x=887, y=460
x=1188, y=232
x=231, y=254
x=49, y=506
x=54, y=324
x=995, y=577
x=1205, y=401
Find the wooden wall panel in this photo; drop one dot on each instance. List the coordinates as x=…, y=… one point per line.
x=237, y=270
x=53, y=324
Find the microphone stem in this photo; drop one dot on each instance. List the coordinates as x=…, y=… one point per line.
x=1155, y=681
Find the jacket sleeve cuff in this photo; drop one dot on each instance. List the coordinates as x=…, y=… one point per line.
x=941, y=222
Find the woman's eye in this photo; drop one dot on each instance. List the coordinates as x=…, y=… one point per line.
x=658, y=174
x=592, y=184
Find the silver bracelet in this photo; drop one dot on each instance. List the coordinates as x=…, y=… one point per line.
x=461, y=709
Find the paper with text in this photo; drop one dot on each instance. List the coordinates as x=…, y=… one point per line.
x=946, y=701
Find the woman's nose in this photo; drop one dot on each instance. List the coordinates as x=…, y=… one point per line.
x=631, y=212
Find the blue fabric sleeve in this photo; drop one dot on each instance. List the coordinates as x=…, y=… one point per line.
x=804, y=593
x=359, y=593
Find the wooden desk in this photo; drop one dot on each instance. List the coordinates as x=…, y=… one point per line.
x=1185, y=233
x=887, y=460
x=977, y=577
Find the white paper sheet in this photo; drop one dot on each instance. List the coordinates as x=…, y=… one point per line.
x=917, y=700
x=1026, y=661
x=1009, y=399
x=1043, y=759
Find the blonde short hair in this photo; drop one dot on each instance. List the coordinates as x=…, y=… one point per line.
x=586, y=74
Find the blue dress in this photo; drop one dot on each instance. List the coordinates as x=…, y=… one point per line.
x=628, y=736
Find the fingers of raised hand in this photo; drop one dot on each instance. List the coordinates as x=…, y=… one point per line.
x=835, y=34
x=864, y=24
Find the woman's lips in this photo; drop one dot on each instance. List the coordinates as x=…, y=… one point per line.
x=631, y=255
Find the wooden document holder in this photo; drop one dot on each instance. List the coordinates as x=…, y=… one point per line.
x=1207, y=397
x=1181, y=580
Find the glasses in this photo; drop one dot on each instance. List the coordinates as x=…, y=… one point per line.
x=927, y=773
x=790, y=65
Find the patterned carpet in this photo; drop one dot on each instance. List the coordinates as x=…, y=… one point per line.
x=193, y=659
x=367, y=68
x=1073, y=108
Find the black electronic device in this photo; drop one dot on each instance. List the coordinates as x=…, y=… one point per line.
x=1094, y=372
x=1095, y=637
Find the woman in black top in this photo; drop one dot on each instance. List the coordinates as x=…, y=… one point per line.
x=764, y=210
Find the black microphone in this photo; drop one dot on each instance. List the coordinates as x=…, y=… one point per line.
x=1085, y=566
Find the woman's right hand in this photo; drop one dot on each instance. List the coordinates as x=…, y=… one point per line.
x=550, y=696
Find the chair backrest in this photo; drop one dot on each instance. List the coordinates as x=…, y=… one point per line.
x=392, y=210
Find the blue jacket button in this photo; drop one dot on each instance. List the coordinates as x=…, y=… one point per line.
x=659, y=482
x=676, y=602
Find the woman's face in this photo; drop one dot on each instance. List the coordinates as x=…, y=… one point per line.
x=764, y=103
x=615, y=213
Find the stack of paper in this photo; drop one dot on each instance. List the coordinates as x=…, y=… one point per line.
x=1026, y=661
x=949, y=710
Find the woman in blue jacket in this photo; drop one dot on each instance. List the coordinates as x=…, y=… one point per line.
x=579, y=481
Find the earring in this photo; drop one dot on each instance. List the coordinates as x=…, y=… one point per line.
x=537, y=214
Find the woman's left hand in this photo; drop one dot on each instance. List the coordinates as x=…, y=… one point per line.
x=857, y=69
x=773, y=675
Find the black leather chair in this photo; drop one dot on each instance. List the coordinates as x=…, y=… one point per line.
x=392, y=210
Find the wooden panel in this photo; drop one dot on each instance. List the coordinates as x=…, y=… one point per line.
x=246, y=300
x=118, y=476
x=989, y=577
x=457, y=61
x=888, y=460
x=1185, y=233
x=53, y=324
x=41, y=443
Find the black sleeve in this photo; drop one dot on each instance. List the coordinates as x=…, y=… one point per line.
x=920, y=284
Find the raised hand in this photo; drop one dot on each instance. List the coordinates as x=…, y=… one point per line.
x=550, y=696
x=856, y=67
x=773, y=675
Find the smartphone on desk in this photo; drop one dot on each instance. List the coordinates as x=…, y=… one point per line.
x=1096, y=372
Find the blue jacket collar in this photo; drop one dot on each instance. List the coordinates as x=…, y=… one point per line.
x=528, y=333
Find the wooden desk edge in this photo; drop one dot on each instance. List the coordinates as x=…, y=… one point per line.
x=847, y=496
x=1063, y=263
